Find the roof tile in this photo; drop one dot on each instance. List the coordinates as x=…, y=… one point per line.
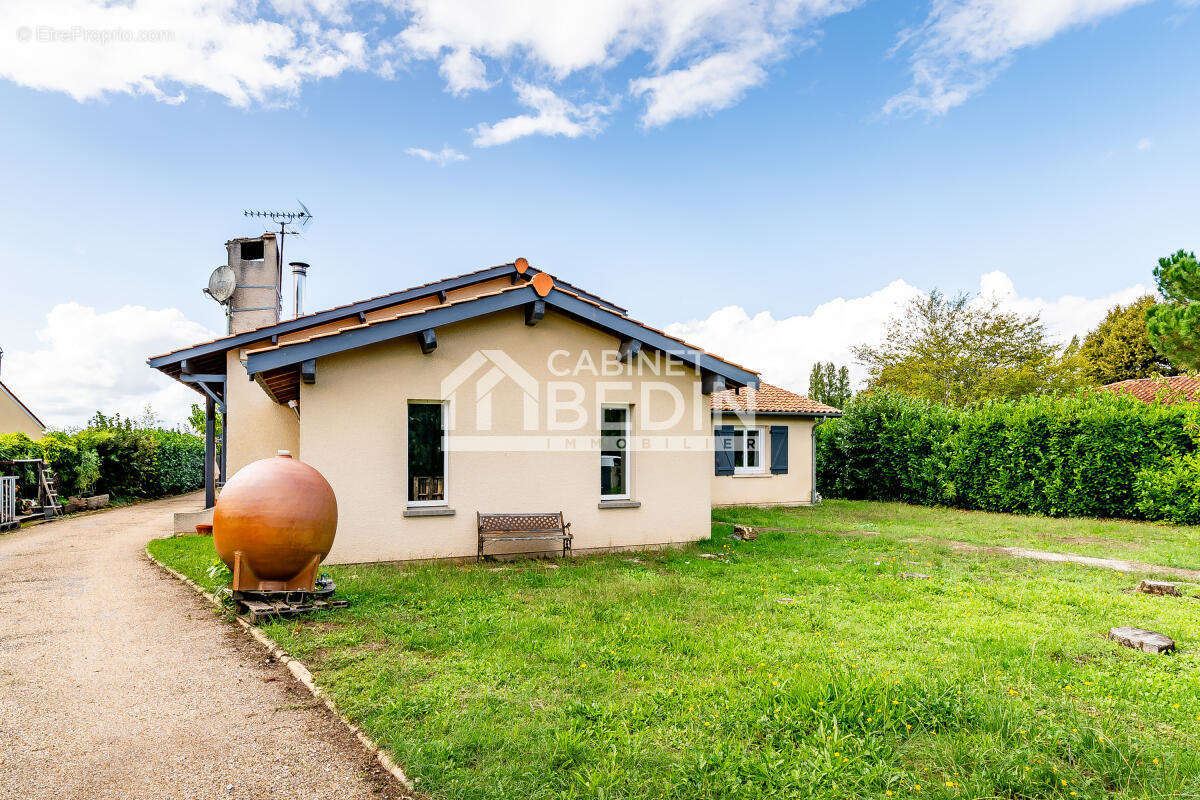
x=1174, y=389
x=768, y=399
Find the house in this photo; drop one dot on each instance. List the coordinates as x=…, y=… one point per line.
x=506, y=389
x=1169, y=390
x=766, y=442
x=15, y=416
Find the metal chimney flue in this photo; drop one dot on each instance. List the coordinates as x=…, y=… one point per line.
x=299, y=277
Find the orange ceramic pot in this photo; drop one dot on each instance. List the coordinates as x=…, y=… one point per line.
x=273, y=524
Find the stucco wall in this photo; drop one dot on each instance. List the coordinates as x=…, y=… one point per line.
x=14, y=419
x=792, y=488
x=354, y=430
x=258, y=426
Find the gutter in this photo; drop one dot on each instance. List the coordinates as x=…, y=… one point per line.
x=816, y=496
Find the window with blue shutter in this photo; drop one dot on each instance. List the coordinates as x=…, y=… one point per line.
x=723, y=449
x=779, y=449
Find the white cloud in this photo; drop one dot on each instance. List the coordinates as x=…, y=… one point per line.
x=554, y=117
x=464, y=72
x=1066, y=316
x=963, y=44
x=709, y=85
x=693, y=56
x=89, y=360
x=1144, y=143
x=703, y=54
x=689, y=57
x=90, y=49
x=784, y=350
x=447, y=155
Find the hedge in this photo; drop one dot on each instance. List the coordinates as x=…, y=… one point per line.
x=122, y=461
x=1089, y=454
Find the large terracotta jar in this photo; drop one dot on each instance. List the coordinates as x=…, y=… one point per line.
x=273, y=524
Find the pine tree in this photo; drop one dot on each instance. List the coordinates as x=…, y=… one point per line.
x=1174, y=324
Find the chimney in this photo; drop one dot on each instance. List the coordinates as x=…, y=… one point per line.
x=299, y=276
x=257, y=299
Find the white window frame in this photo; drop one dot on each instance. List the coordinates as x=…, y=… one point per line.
x=445, y=501
x=628, y=494
x=761, y=469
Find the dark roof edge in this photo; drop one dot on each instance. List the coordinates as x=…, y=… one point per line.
x=24, y=407
x=583, y=310
x=342, y=312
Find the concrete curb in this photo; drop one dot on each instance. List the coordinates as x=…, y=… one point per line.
x=300, y=672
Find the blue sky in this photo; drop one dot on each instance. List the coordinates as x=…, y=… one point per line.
x=1070, y=166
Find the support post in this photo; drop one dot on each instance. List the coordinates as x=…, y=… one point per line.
x=224, y=444
x=210, y=428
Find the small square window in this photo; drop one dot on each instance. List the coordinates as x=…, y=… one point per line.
x=747, y=451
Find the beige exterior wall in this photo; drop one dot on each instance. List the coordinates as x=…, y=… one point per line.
x=258, y=426
x=354, y=430
x=15, y=419
x=792, y=488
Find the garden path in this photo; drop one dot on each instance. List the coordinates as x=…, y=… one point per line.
x=117, y=681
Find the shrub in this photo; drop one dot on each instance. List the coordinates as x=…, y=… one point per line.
x=1074, y=455
x=117, y=459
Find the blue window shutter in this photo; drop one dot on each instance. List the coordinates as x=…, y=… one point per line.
x=723, y=449
x=779, y=449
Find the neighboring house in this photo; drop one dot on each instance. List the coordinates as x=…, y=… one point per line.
x=15, y=416
x=502, y=390
x=765, y=441
x=1173, y=389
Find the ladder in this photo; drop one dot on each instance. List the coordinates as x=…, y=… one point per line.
x=47, y=492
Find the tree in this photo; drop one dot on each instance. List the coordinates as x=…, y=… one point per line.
x=196, y=420
x=1119, y=348
x=830, y=384
x=1174, y=324
x=962, y=349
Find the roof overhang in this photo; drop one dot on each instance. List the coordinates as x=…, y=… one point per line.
x=586, y=311
x=169, y=360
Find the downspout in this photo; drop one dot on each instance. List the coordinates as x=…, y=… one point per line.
x=816, y=496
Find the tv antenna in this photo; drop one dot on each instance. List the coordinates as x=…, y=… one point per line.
x=283, y=219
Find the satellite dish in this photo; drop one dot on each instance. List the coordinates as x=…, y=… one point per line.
x=221, y=284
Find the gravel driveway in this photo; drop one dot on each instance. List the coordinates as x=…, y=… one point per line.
x=116, y=681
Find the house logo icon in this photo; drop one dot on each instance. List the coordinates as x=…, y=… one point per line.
x=502, y=366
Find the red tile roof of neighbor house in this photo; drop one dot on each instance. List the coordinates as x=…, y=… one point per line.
x=1175, y=389
x=768, y=399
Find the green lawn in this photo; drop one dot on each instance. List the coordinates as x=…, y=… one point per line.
x=1175, y=546
x=800, y=665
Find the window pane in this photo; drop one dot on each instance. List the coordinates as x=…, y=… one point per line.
x=739, y=447
x=614, y=448
x=753, y=455
x=426, y=461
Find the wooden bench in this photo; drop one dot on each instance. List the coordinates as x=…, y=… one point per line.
x=523, y=527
